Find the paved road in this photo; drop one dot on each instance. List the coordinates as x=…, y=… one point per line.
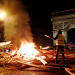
x=32, y=71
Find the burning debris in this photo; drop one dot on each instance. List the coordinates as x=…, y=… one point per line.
x=26, y=58
x=15, y=20
x=30, y=56
x=17, y=29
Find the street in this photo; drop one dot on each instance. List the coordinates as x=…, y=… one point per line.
x=32, y=71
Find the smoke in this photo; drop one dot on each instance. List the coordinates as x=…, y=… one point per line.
x=16, y=22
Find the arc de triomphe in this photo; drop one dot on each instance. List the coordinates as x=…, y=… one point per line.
x=63, y=22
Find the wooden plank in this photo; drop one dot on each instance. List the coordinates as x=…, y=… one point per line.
x=41, y=52
x=23, y=66
x=54, y=64
x=11, y=67
x=39, y=66
x=66, y=52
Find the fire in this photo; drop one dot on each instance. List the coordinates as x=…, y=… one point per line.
x=2, y=15
x=27, y=50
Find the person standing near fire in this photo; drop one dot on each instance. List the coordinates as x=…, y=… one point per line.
x=60, y=41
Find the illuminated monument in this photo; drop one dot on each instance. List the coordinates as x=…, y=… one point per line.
x=63, y=20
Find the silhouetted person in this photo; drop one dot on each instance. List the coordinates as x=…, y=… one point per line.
x=60, y=41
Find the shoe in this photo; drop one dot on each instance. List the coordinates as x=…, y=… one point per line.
x=62, y=68
x=64, y=64
x=55, y=62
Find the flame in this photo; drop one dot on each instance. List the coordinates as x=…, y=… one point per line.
x=27, y=50
x=2, y=15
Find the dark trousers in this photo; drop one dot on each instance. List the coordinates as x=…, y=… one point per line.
x=62, y=50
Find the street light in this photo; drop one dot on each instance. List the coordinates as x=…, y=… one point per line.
x=2, y=15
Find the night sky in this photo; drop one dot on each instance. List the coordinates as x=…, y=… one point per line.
x=40, y=14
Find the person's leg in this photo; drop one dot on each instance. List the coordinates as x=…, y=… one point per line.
x=62, y=50
x=57, y=48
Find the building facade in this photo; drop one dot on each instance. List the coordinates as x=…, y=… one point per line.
x=63, y=20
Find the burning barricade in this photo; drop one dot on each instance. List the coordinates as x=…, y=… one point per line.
x=27, y=55
x=30, y=56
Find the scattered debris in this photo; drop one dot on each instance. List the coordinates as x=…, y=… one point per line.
x=43, y=60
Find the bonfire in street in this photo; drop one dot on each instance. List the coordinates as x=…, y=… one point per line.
x=30, y=55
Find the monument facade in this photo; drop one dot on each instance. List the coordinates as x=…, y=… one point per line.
x=63, y=20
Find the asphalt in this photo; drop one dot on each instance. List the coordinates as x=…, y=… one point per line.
x=32, y=71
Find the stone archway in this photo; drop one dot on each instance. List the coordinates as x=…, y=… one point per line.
x=71, y=36
x=63, y=22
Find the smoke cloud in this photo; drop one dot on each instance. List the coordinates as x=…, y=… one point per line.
x=16, y=22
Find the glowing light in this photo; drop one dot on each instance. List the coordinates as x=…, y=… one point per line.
x=5, y=43
x=28, y=50
x=13, y=52
x=7, y=50
x=2, y=15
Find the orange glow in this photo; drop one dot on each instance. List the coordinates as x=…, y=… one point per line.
x=27, y=50
x=2, y=15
